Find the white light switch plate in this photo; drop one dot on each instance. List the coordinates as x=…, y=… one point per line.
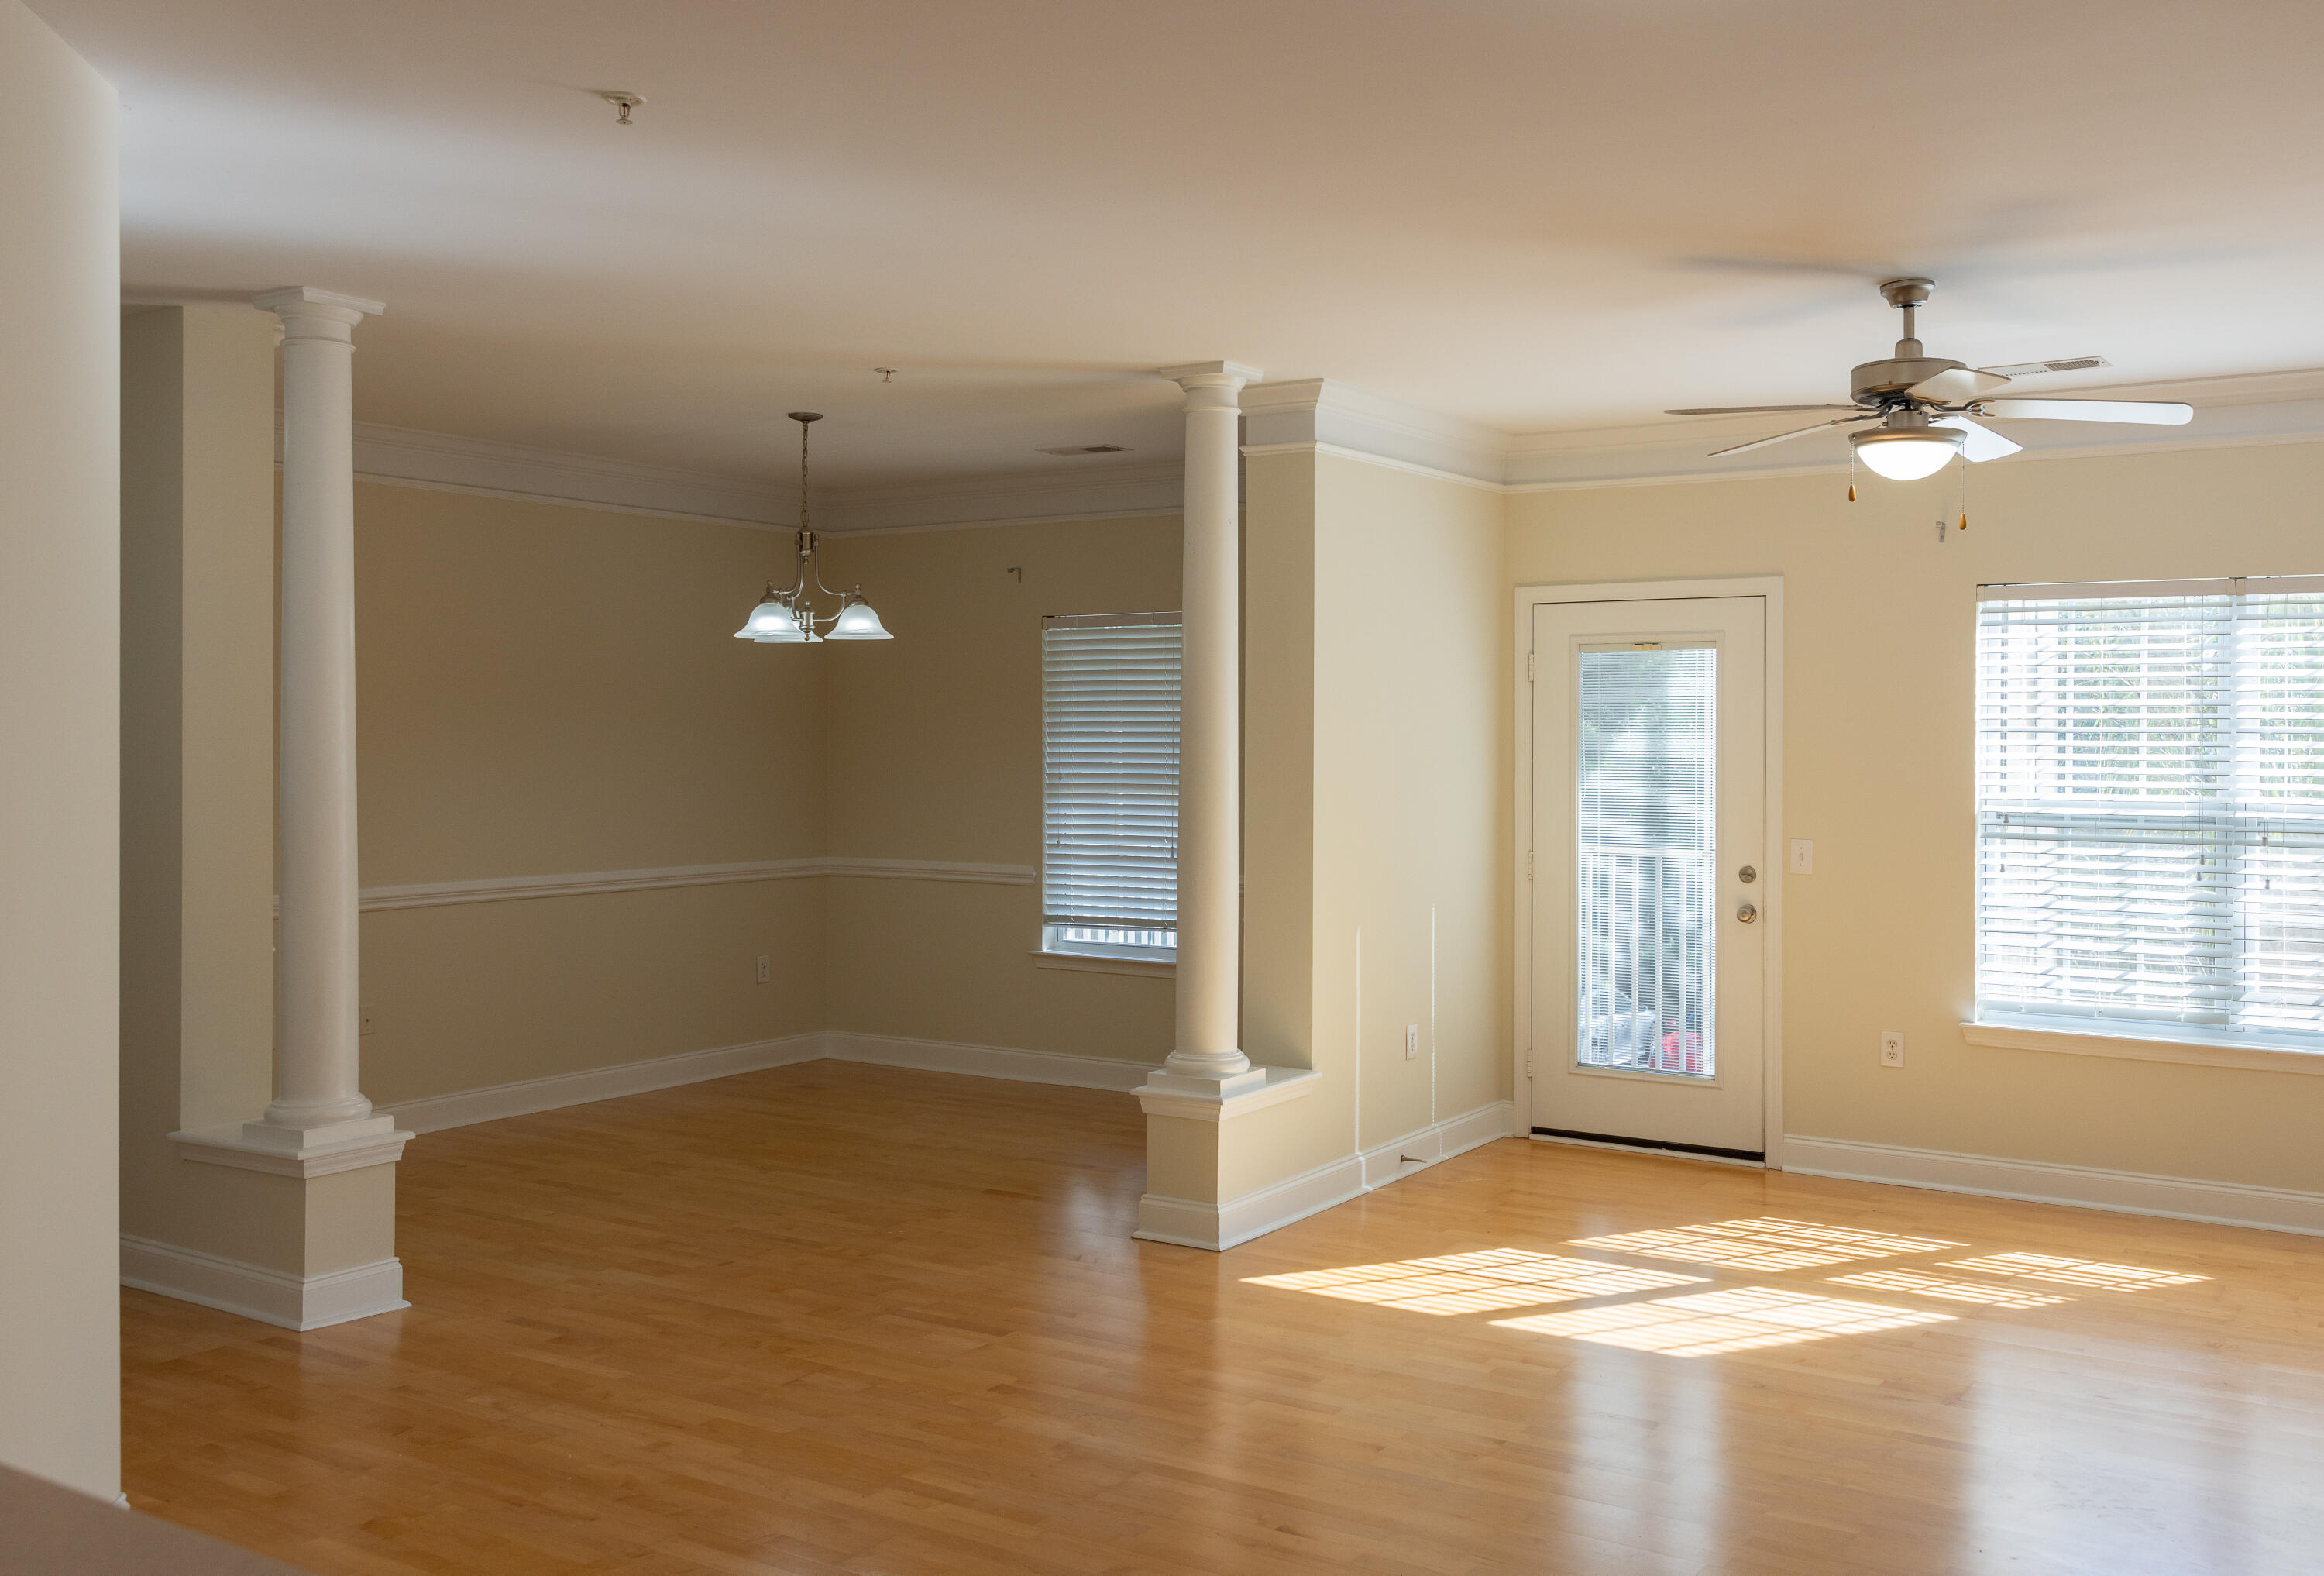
x=1803, y=856
x=1411, y=1042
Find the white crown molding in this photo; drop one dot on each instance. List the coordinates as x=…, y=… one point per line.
x=1302, y=415
x=1148, y=487
x=442, y=461
x=515, y=888
x=1320, y=416
x=1341, y=451
x=1323, y=411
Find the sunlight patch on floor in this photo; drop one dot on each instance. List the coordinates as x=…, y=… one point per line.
x=1766, y=1243
x=2074, y=1272
x=1937, y=1285
x=1475, y=1283
x=1706, y=1324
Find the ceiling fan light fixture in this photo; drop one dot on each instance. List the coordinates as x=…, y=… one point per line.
x=1906, y=453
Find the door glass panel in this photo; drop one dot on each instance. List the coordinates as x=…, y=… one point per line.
x=1647, y=796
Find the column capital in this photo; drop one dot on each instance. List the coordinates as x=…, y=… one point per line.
x=304, y=300
x=1211, y=382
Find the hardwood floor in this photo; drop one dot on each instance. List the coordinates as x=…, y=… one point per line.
x=839, y=1318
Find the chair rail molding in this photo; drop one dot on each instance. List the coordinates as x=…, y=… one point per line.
x=516, y=889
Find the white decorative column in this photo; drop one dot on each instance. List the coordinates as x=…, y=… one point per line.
x=312, y=1238
x=318, y=1012
x=1209, y=1061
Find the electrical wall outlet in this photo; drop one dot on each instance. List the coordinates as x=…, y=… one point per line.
x=1803, y=856
x=765, y=968
x=370, y=1019
x=1892, y=1047
x=1411, y=1042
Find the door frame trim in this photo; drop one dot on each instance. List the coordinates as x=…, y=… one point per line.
x=1771, y=906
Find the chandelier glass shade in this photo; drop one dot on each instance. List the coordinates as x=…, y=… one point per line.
x=785, y=616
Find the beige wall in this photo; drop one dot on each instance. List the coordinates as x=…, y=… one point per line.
x=935, y=753
x=547, y=689
x=196, y=771
x=1376, y=803
x=1878, y=762
x=59, y=905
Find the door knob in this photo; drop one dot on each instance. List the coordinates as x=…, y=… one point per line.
x=1747, y=875
x=1747, y=914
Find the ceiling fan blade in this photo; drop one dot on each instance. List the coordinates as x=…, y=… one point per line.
x=1796, y=432
x=1957, y=385
x=2151, y=412
x=1751, y=410
x=1979, y=444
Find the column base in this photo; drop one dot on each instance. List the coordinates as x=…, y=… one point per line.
x=374, y=1140
x=1201, y=1084
x=1215, y=1100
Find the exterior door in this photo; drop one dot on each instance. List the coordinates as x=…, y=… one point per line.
x=1649, y=975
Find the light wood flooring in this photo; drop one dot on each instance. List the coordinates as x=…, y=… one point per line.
x=836, y=1318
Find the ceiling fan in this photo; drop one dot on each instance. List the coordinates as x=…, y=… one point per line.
x=1923, y=404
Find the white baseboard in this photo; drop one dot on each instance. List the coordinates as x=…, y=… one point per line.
x=265, y=1294
x=586, y=1088
x=986, y=1061
x=1456, y=1135
x=2219, y=1203
x=1190, y=1223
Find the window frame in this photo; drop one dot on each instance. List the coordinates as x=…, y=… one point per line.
x=1057, y=948
x=2150, y=1038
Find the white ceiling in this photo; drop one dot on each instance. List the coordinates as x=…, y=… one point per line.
x=1544, y=216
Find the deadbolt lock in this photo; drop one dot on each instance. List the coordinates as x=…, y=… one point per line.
x=1747, y=875
x=1747, y=913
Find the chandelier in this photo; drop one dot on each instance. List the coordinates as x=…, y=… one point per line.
x=785, y=617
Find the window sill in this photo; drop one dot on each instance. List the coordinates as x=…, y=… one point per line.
x=2017, y=1036
x=1090, y=963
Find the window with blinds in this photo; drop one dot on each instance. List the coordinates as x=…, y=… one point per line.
x=1110, y=783
x=2150, y=809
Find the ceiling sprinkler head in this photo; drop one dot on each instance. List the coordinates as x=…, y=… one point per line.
x=623, y=100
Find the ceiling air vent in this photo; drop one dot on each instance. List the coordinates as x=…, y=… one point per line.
x=2026, y=369
x=1071, y=450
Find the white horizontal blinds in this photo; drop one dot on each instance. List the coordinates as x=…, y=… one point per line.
x=1646, y=814
x=1109, y=779
x=2151, y=806
x=2279, y=774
